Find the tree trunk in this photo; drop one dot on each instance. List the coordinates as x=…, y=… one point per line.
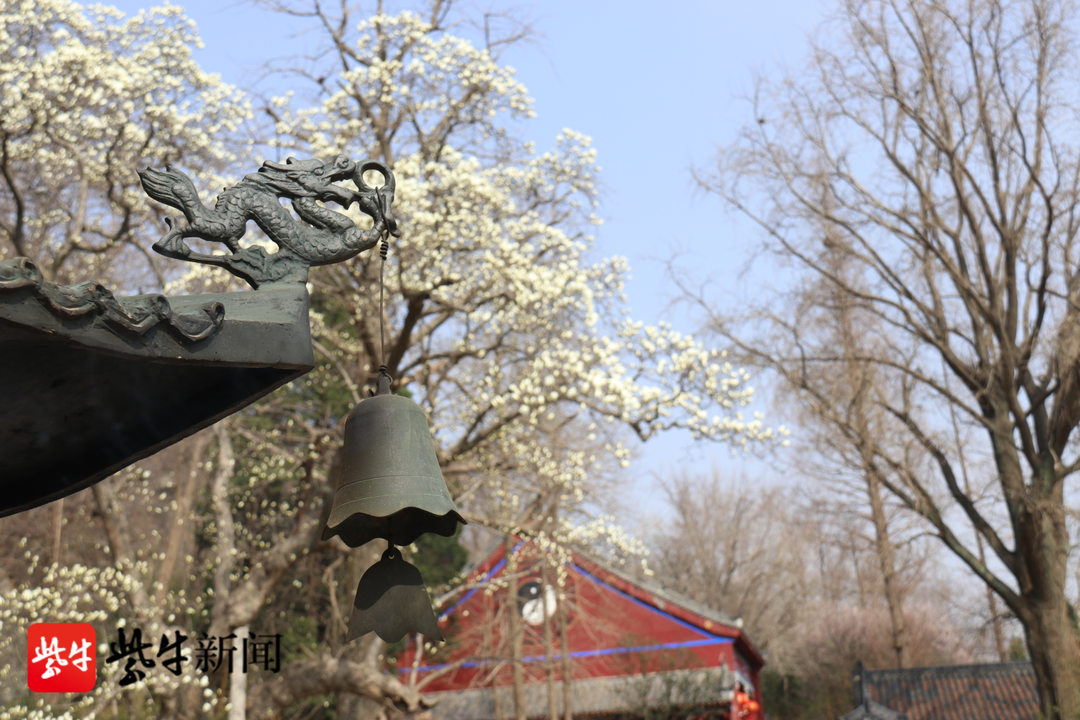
x=517, y=671
x=887, y=558
x=1051, y=645
x=496, y=695
x=238, y=679
x=549, y=641
x=1051, y=637
x=189, y=482
x=995, y=616
x=564, y=641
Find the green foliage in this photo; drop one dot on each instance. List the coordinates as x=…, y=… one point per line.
x=301, y=633
x=1017, y=649
x=784, y=696
x=439, y=558
x=825, y=691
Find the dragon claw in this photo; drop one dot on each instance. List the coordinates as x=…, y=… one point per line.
x=173, y=247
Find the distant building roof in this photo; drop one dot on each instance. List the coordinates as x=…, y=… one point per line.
x=993, y=691
x=871, y=710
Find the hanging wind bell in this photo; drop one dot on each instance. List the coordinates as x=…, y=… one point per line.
x=390, y=487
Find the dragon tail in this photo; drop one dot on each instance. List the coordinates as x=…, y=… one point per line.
x=172, y=188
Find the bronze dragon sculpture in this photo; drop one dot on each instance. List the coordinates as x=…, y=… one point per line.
x=327, y=237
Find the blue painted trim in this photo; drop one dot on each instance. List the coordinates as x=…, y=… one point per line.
x=583, y=654
x=647, y=606
x=466, y=596
x=639, y=648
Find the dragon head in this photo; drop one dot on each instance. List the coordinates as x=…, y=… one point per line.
x=310, y=178
x=315, y=179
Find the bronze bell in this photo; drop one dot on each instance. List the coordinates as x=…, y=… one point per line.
x=390, y=485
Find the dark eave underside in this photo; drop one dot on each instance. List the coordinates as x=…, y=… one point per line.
x=90, y=383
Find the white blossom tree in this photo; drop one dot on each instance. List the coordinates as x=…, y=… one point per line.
x=89, y=96
x=496, y=320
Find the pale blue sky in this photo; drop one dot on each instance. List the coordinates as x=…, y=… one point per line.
x=655, y=86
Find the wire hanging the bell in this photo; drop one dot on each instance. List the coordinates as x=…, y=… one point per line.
x=390, y=486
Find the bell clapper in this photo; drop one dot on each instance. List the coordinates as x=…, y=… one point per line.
x=392, y=601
